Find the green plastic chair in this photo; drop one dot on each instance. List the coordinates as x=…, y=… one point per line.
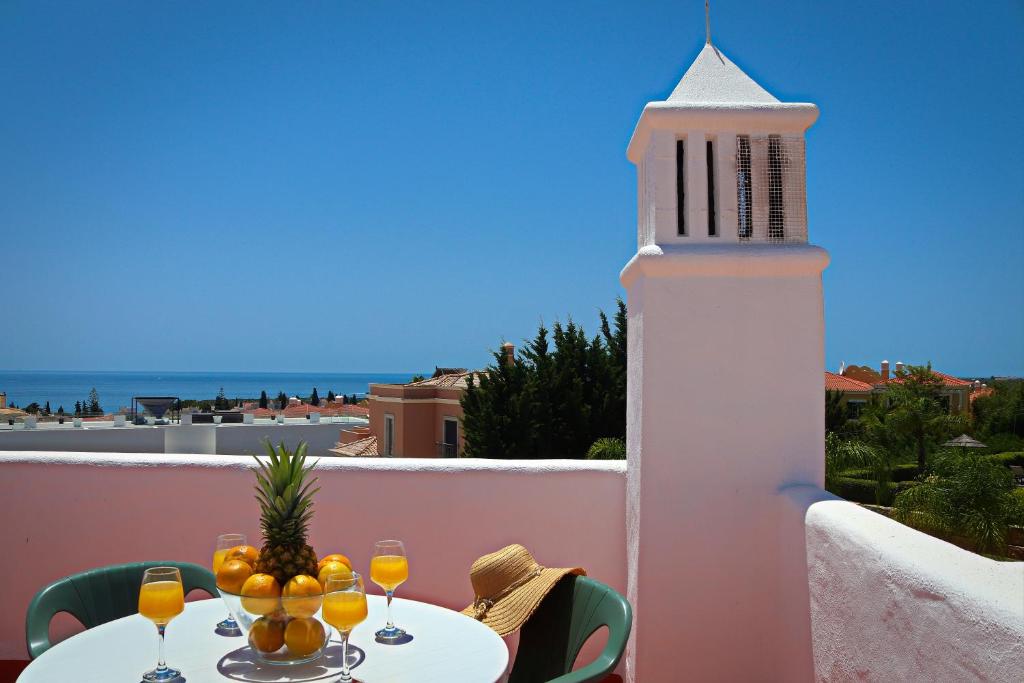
x=550, y=641
x=100, y=595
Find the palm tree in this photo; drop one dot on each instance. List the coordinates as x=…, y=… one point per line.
x=836, y=412
x=966, y=496
x=879, y=432
x=917, y=416
x=844, y=454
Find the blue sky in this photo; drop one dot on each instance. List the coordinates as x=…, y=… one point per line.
x=344, y=186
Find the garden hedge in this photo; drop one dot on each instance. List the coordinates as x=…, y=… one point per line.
x=1008, y=459
x=904, y=472
x=863, y=490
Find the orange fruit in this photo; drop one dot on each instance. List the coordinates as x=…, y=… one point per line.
x=232, y=576
x=260, y=594
x=336, y=557
x=245, y=553
x=304, y=636
x=330, y=569
x=294, y=596
x=266, y=635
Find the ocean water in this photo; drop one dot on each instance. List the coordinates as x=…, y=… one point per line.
x=116, y=389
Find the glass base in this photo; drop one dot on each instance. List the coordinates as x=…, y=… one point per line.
x=165, y=674
x=228, y=627
x=392, y=636
x=283, y=658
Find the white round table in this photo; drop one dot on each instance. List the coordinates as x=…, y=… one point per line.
x=445, y=646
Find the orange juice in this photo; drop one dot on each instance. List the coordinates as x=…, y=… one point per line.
x=161, y=601
x=344, y=610
x=389, y=571
x=218, y=559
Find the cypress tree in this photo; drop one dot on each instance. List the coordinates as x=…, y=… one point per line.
x=330, y=396
x=314, y=399
x=263, y=399
x=94, y=402
x=556, y=400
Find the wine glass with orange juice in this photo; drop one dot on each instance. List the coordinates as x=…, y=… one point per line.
x=389, y=568
x=344, y=609
x=161, y=598
x=225, y=542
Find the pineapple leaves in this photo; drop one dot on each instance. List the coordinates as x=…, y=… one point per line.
x=284, y=494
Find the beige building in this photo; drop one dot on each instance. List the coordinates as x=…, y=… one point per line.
x=860, y=383
x=416, y=420
x=420, y=419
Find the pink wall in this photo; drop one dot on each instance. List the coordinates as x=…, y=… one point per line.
x=65, y=512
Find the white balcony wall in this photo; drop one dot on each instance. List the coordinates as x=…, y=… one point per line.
x=888, y=603
x=869, y=598
x=66, y=512
x=232, y=439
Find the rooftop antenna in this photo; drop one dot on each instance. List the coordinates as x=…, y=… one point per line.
x=707, y=20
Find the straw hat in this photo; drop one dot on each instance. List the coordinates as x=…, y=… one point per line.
x=509, y=586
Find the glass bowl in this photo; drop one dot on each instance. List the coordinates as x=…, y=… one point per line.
x=281, y=630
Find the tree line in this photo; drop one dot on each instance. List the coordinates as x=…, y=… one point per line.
x=564, y=396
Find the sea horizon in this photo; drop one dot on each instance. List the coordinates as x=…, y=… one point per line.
x=117, y=387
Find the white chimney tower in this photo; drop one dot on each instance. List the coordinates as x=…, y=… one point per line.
x=726, y=380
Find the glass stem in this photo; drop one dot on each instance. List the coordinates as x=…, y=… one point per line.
x=346, y=676
x=161, y=665
x=390, y=626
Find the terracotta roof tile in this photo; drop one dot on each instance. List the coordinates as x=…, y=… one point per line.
x=952, y=381
x=362, y=448
x=948, y=380
x=981, y=392
x=834, y=382
x=454, y=380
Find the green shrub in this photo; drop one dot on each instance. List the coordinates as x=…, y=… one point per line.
x=964, y=496
x=1007, y=459
x=864, y=490
x=856, y=490
x=1002, y=443
x=904, y=472
x=607, y=449
x=1018, y=518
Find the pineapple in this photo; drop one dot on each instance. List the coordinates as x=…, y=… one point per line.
x=286, y=506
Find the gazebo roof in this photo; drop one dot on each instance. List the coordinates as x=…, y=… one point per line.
x=964, y=441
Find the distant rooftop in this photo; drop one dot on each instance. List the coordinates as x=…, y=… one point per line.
x=454, y=380
x=834, y=382
x=360, y=448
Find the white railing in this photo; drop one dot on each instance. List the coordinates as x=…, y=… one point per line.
x=231, y=439
x=65, y=512
x=890, y=603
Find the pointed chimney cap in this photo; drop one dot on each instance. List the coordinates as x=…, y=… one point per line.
x=714, y=79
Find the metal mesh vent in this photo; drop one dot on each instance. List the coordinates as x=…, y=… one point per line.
x=771, y=189
x=744, y=192
x=776, y=210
